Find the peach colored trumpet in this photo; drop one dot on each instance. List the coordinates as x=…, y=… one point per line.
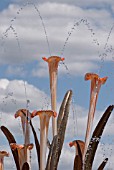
x=22, y=152
x=25, y=117
x=53, y=62
x=2, y=155
x=44, y=116
x=81, y=144
x=96, y=83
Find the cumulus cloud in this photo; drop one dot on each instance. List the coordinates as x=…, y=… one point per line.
x=26, y=41
x=88, y=3
x=15, y=93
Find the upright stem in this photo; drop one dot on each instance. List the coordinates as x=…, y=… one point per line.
x=96, y=83
x=44, y=116
x=27, y=128
x=22, y=156
x=25, y=120
x=2, y=154
x=1, y=163
x=53, y=90
x=43, y=144
x=93, y=100
x=53, y=62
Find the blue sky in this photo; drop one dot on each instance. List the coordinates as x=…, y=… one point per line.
x=89, y=49
x=4, y=4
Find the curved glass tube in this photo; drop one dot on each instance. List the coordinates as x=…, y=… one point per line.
x=25, y=121
x=22, y=152
x=44, y=116
x=96, y=83
x=2, y=155
x=53, y=62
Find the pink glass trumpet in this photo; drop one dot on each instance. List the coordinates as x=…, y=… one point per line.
x=22, y=152
x=44, y=116
x=96, y=83
x=25, y=120
x=2, y=155
x=81, y=144
x=53, y=62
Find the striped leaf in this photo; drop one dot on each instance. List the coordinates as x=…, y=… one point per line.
x=11, y=139
x=90, y=154
x=61, y=110
x=50, y=153
x=78, y=164
x=61, y=134
x=101, y=167
x=36, y=143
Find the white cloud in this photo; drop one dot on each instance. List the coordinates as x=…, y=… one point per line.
x=15, y=92
x=28, y=30
x=4, y=83
x=82, y=3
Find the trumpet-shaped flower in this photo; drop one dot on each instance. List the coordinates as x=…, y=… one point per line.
x=2, y=155
x=53, y=62
x=81, y=144
x=44, y=116
x=22, y=152
x=96, y=83
x=25, y=119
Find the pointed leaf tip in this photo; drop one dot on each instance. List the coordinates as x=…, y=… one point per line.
x=25, y=166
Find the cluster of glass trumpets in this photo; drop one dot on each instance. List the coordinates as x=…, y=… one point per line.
x=85, y=150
